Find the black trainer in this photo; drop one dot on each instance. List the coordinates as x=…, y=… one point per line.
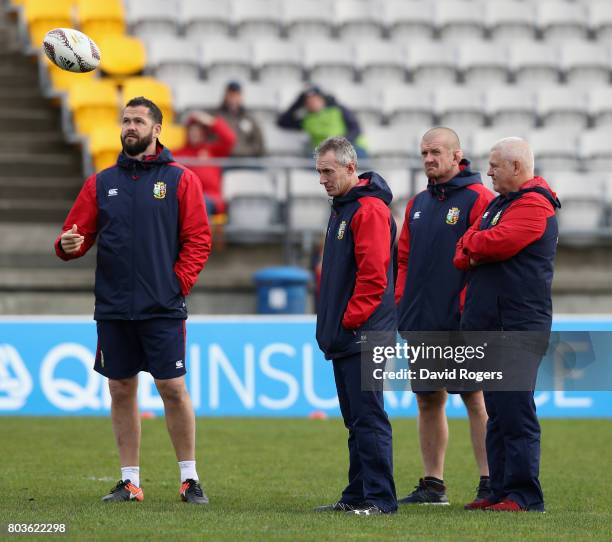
x=427, y=492
x=367, y=510
x=191, y=491
x=337, y=507
x=483, y=491
x=125, y=490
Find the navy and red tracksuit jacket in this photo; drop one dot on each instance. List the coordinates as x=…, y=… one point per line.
x=429, y=289
x=153, y=236
x=357, y=270
x=514, y=246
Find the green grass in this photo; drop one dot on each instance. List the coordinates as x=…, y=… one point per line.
x=264, y=476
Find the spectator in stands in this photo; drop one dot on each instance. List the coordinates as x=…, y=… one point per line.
x=249, y=138
x=321, y=116
x=208, y=137
x=510, y=254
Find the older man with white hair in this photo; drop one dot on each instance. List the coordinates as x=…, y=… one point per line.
x=510, y=254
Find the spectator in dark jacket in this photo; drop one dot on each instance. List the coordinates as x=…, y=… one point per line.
x=357, y=296
x=208, y=137
x=321, y=116
x=249, y=138
x=510, y=255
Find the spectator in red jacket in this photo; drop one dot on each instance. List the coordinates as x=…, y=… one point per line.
x=208, y=137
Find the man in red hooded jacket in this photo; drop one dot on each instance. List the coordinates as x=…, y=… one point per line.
x=208, y=137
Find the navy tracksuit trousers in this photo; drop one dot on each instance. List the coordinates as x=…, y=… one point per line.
x=513, y=447
x=370, y=440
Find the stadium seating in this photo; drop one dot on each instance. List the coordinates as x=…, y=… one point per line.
x=356, y=20
x=511, y=107
x=256, y=18
x=534, y=63
x=93, y=102
x=205, y=18
x=363, y=101
x=190, y=96
x=595, y=149
x=483, y=63
x=173, y=59
x=432, y=63
x=308, y=207
x=585, y=64
x=407, y=106
x=277, y=62
x=329, y=62
x=600, y=106
x=511, y=21
x=600, y=19
x=251, y=199
x=152, y=89
x=63, y=81
x=104, y=145
x=99, y=19
x=562, y=22
x=115, y=63
x=459, y=20
x=554, y=149
x=223, y=59
x=460, y=106
x=583, y=203
x=307, y=21
x=173, y=136
x=380, y=63
x=562, y=107
x=408, y=20
x=152, y=18
x=41, y=16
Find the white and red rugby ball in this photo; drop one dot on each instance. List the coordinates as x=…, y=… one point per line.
x=71, y=50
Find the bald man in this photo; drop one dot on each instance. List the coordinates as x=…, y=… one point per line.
x=429, y=292
x=509, y=253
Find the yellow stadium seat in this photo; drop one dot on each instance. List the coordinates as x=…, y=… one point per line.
x=154, y=90
x=93, y=103
x=173, y=136
x=121, y=56
x=101, y=19
x=43, y=15
x=62, y=80
x=105, y=145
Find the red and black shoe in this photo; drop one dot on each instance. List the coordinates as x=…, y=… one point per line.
x=191, y=491
x=125, y=490
x=484, y=496
x=478, y=504
x=507, y=505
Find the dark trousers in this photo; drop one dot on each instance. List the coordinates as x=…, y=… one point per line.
x=369, y=443
x=513, y=447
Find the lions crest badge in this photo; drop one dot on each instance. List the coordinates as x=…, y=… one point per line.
x=159, y=190
x=496, y=218
x=452, y=217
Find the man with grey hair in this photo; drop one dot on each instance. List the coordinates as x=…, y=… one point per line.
x=357, y=296
x=510, y=255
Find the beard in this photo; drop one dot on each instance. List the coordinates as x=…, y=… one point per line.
x=138, y=146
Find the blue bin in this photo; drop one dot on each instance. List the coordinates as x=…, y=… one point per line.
x=281, y=290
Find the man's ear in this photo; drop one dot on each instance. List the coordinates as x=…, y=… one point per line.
x=351, y=168
x=157, y=130
x=516, y=167
x=458, y=155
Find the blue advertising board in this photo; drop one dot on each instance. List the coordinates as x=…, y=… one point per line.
x=236, y=366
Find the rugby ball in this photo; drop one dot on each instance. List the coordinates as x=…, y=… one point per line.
x=71, y=50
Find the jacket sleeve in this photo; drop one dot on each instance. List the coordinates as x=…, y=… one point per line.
x=461, y=260
x=403, y=254
x=226, y=139
x=194, y=232
x=289, y=119
x=523, y=223
x=84, y=214
x=372, y=239
x=353, y=130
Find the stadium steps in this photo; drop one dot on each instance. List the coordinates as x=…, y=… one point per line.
x=40, y=174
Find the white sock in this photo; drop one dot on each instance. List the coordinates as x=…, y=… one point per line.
x=188, y=470
x=132, y=474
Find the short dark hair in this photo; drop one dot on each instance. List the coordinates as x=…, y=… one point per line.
x=154, y=111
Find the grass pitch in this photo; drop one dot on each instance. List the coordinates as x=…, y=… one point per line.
x=264, y=476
